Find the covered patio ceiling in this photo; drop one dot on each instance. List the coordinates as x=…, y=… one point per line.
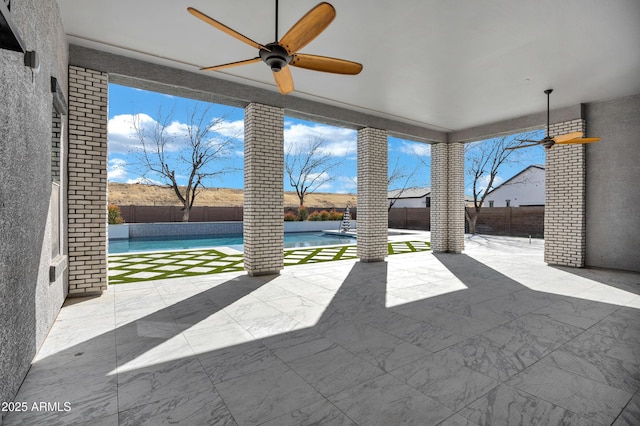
x=445, y=66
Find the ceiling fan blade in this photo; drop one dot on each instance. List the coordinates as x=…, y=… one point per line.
x=567, y=137
x=233, y=33
x=325, y=64
x=579, y=141
x=524, y=146
x=284, y=80
x=308, y=27
x=231, y=64
x=529, y=140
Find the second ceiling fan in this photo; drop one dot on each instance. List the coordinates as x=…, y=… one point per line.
x=278, y=55
x=548, y=142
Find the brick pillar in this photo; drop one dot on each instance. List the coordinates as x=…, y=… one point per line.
x=263, y=189
x=372, y=195
x=439, y=199
x=564, y=215
x=447, y=197
x=455, y=202
x=87, y=196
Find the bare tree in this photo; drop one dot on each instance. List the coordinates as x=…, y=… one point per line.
x=191, y=152
x=307, y=166
x=400, y=179
x=483, y=161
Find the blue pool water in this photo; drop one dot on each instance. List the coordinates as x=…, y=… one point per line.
x=292, y=240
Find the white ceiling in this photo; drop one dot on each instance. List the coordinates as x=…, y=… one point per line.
x=445, y=65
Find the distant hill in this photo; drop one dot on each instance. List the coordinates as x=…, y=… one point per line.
x=124, y=194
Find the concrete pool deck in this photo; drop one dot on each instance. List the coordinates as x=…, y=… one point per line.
x=490, y=336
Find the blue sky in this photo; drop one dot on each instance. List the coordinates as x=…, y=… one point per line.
x=125, y=103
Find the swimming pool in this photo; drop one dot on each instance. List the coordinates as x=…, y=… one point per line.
x=291, y=240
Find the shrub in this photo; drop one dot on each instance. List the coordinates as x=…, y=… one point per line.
x=314, y=216
x=302, y=213
x=115, y=217
x=335, y=215
x=290, y=217
x=324, y=215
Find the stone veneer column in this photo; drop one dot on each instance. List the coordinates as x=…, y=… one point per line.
x=565, y=189
x=447, y=197
x=87, y=192
x=263, y=189
x=372, y=216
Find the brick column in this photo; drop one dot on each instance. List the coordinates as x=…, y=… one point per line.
x=372, y=195
x=455, y=202
x=447, y=197
x=87, y=196
x=565, y=188
x=439, y=198
x=263, y=189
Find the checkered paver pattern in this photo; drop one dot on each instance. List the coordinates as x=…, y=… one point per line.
x=124, y=268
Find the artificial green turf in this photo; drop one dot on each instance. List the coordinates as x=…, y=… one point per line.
x=133, y=267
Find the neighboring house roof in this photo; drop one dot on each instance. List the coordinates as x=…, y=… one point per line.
x=533, y=166
x=409, y=193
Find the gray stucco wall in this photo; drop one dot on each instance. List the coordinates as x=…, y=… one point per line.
x=29, y=303
x=613, y=184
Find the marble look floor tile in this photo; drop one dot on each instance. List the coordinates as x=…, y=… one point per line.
x=607, y=345
x=445, y=379
x=480, y=355
x=320, y=413
x=531, y=337
x=426, y=336
x=299, y=308
x=236, y=361
x=271, y=326
x=92, y=395
x=377, y=347
x=611, y=371
x=590, y=399
x=219, y=336
x=297, y=344
x=459, y=324
x=577, y=312
x=386, y=400
x=146, y=351
x=148, y=327
x=630, y=416
x=334, y=370
x=161, y=382
x=620, y=327
x=506, y=405
x=266, y=394
x=204, y=407
x=457, y=420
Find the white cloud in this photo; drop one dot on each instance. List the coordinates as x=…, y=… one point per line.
x=117, y=170
x=146, y=181
x=123, y=138
x=483, y=181
x=415, y=148
x=340, y=142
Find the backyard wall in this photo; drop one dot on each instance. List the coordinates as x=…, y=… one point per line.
x=612, y=184
x=29, y=300
x=151, y=214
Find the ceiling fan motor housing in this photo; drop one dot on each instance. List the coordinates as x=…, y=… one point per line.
x=276, y=57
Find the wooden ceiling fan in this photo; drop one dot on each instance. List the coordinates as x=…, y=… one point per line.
x=549, y=142
x=278, y=55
